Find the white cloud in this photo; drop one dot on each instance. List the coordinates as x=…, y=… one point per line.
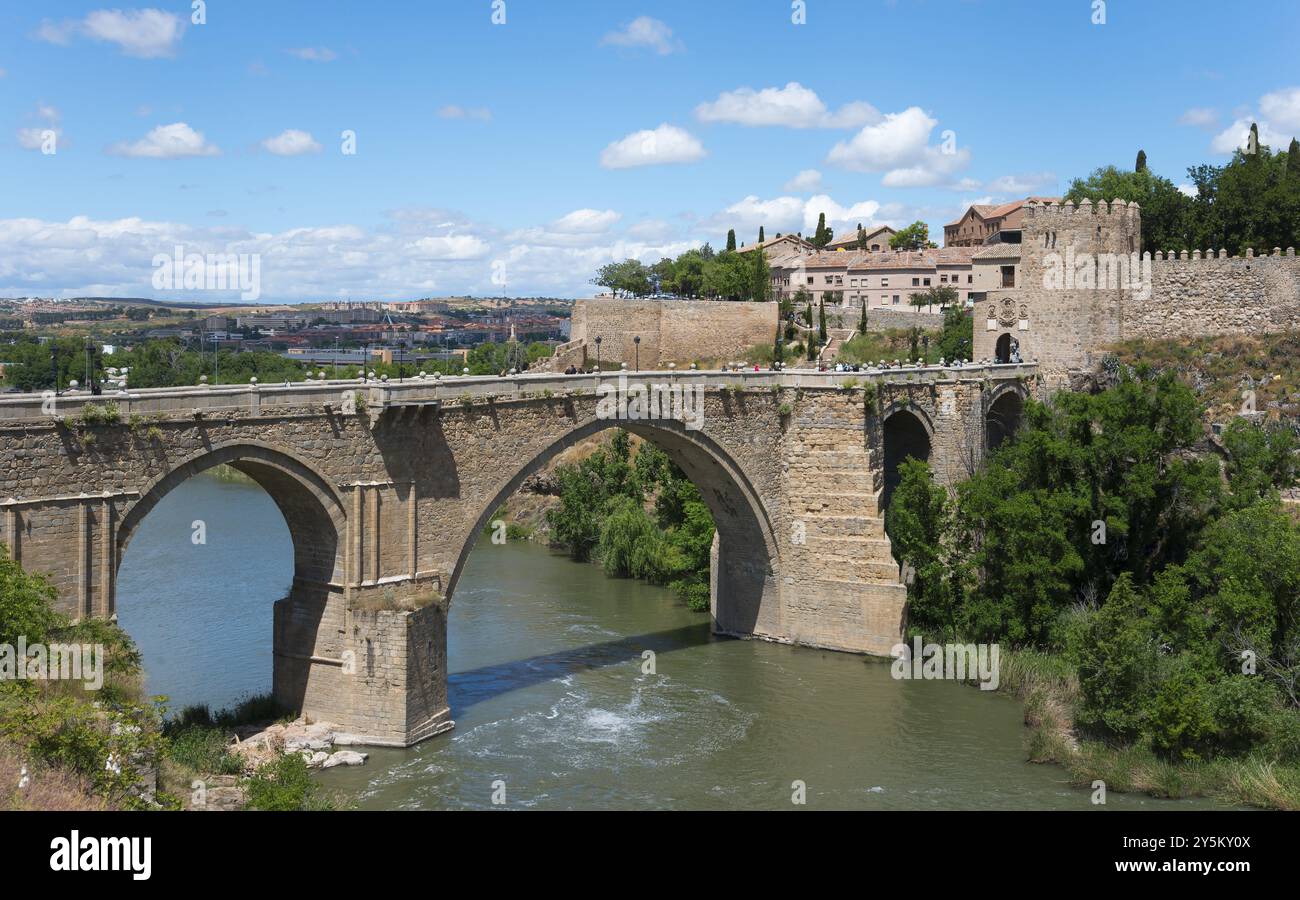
x=806, y=180
x=792, y=214
x=1235, y=136
x=793, y=106
x=644, y=31
x=1199, y=117
x=452, y=111
x=665, y=144
x=1028, y=183
x=1278, y=119
x=33, y=138
x=313, y=54
x=414, y=253
x=587, y=221
x=898, y=145
x=1188, y=189
x=291, y=142
x=1282, y=108
x=142, y=33
x=175, y=141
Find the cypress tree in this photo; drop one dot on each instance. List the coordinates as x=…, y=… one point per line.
x=862, y=320
x=1293, y=159
x=760, y=234
x=731, y=239
x=821, y=320
x=1141, y=162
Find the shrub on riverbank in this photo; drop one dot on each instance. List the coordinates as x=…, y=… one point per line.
x=603, y=515
x=1105, y=539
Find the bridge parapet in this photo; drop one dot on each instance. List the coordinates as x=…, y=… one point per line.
x=272, y=399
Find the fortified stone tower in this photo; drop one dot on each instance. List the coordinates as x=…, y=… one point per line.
x=1079, y=269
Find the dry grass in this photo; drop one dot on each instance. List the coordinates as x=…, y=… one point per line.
x=46, y=788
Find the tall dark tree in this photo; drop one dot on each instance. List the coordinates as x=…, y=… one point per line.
x=760, y=234
x=1141, y=165
x=731, y=240
x=823, y=235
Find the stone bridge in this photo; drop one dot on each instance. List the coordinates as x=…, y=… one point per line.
x=385, y=488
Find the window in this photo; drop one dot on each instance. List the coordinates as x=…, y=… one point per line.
x=1008, y=276
x=895, y=299
x=853, y=282
x=829, y=280
x=970, y=279
x=943, y=279
x=916, y=282
x=884, y=282
x=927, y=282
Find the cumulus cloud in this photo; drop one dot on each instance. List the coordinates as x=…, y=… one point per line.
x=660, y=146
x=175, y=141
x=587, y=221
x=899, y=146
x=34, y=137
x=1027, y=183
x=412, y=253
x=313, y=54
x=452, y=111
x=1236, y=136
x=1199, y=117
x=291, y=142
x=792, y=106
x=1278, y=119
x=644, y=31
x=806, y=180
x=142, y=33
x=791, y=214
x=1282, y=108
x=1188, y=189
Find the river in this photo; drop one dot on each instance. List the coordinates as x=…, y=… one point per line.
x=552, y=699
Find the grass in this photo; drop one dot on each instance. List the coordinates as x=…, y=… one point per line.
x=1049, y=689
x=26, y=784
x=890, y=344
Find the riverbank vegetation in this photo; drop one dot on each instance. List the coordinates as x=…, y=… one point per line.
x=72, y=744
x=638, y=515
x=1149, y=591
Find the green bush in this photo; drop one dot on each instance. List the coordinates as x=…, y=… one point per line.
x=284, y=784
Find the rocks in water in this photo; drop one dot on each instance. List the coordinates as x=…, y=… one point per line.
x=345, y=758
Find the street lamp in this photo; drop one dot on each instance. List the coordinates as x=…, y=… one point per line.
x=598, y=340
x=54, y=365
x=637, y=341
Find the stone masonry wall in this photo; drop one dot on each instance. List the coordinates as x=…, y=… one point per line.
x=676, y=331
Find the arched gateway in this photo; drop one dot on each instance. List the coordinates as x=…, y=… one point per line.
x=385, y=488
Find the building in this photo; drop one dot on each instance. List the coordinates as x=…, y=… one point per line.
x=878, y=279
x=875, y=239
x=984, y=224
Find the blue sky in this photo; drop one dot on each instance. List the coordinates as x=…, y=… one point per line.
x=488, y=156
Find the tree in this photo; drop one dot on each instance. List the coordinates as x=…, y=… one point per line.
x=762, y=275
x=862, y=320
x=914, y=237
x=821, y=320
x=942, y=296
x=731, y=240
x=1141, y=164
x=630, y=277
x=823, y=235
x=862, y=237
x=760, y=234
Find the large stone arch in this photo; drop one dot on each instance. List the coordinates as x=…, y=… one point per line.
x=905, y=431
x=307, y=623
x=311, y=508
x=1003, y=413
x=745, y=596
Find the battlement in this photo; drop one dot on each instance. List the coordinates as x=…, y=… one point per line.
x=1182, y=256
x=1053, y=211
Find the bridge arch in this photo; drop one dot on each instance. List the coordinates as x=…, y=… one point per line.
x=1004, y=413
x=311, y=508
x=906, y=433
x=745, y=587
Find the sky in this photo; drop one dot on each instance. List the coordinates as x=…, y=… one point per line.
x=511, y=147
